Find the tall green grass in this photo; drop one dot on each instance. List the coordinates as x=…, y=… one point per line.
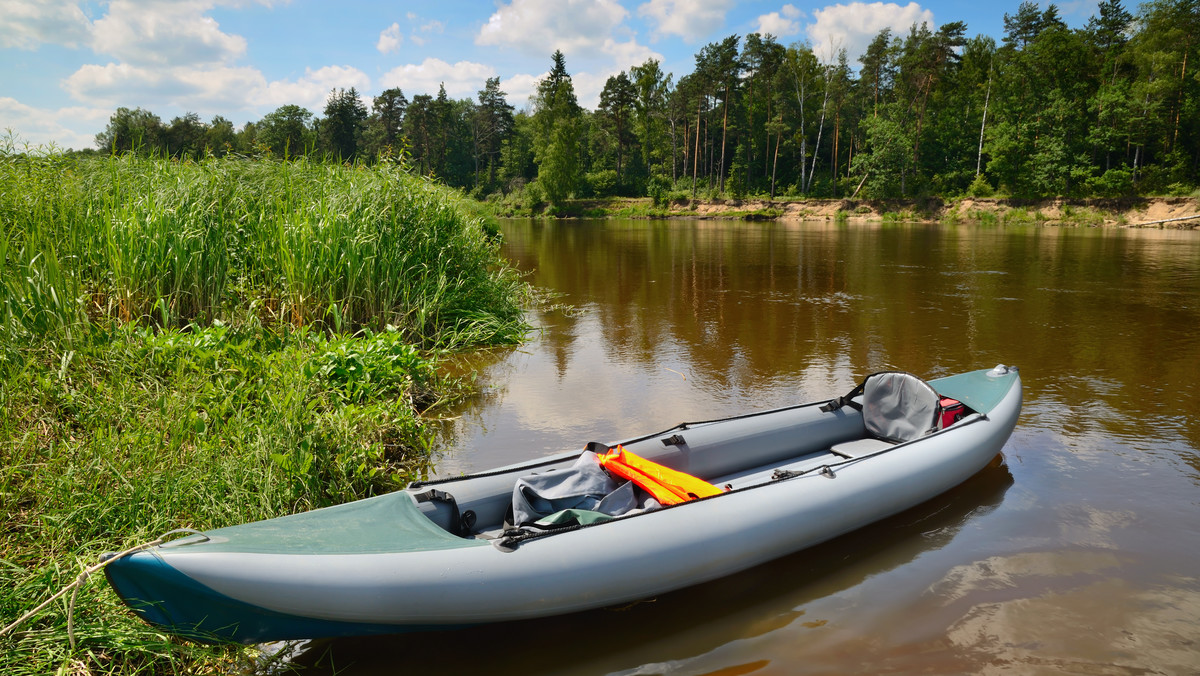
x=202, y=344
x=303, y=243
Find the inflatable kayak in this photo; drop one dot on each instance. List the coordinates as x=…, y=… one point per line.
x=565, y=533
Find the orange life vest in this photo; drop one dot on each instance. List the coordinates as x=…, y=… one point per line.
x=668, y=486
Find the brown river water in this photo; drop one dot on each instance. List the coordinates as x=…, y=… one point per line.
x=1077, y=550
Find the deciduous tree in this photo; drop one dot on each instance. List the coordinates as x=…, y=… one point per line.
x=131, y=129
x=287, y=131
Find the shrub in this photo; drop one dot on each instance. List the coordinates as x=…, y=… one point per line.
x=533, y=196
x=603, y=183
x=658, y=188
x=980, y=188
x=1116, y=182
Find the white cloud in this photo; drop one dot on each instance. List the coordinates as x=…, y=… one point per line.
x=520, y=88
x=588, y=87
x=420, y=32
x=853, y=26
x=783, y=23
x=625, y=55
x=462, y=79
x=542, y=26
x=312, y=90
x=73, y=127
x=211, y=88
x=141, y=32
x=168, y=57
x=172, y=53
x=216, y=89
x=29, y=23
x=122, y=84
x=389, y=39
x=433, y=26
x=691, y=20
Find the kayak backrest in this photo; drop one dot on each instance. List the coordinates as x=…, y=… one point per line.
x=899, y=406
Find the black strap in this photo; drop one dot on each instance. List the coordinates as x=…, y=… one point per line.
x=597, y=447
x=457, y=522
x=846, y=399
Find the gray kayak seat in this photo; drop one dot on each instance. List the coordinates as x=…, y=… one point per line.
x=896, y=407
x=859, y=447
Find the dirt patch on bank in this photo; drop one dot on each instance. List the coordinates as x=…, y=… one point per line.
x=1159, y=212
x=1129, y=212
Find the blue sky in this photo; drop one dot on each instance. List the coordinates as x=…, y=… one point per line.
x=65, y=66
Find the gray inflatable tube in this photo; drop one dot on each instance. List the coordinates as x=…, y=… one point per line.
x=797, y=476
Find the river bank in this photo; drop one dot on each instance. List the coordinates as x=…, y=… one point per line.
x=1130, y=212
x=201, y=344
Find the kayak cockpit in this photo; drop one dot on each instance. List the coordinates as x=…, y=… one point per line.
x=886, y=410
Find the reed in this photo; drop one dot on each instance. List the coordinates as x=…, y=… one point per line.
x=202, y=344
x=172, y=243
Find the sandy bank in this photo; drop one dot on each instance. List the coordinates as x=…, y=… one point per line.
x=1125, y=212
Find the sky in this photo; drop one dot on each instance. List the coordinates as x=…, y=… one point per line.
x=66, y=66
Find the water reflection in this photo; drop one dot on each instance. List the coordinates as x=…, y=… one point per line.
x=685, y=320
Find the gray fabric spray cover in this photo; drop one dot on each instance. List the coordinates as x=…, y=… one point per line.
x=584, y=485
x=899, y=406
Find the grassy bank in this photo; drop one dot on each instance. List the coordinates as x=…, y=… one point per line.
x=201, y=344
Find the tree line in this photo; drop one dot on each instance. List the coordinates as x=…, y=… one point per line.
x=1109, y=109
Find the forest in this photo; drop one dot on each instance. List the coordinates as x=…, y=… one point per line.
x=1107, y=110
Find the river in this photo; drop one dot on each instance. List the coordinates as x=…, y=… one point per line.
x=1078, y=550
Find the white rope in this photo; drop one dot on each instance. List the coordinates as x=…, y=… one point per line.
x=83, y=578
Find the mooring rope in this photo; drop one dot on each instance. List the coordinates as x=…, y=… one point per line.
x=82, y=577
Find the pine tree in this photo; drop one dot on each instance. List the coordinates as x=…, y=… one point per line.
x=491, y=126
x=344, y=123
x=556, y=117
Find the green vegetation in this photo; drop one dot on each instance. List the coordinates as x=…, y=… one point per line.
x=1022, y=216
x=198, y=344
x=1082, y=216
x=982, y=217
x=767, y=214
x=173, y=243
x=1108, y=110
x=904, y=215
